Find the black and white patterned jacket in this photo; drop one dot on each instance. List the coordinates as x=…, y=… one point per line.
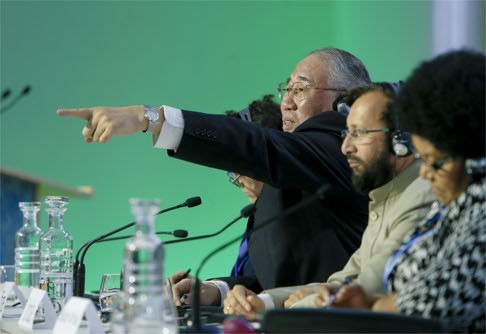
x=444, y=275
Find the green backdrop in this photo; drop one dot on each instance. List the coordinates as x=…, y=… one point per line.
x=207, y=56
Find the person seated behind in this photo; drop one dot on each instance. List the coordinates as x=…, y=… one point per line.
x=399, y=200
x=439, y=272
x=266, y=113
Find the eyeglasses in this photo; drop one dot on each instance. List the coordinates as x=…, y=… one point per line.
x=434, y=166
x=358, y=136
x=233, y=178
x=300, y=91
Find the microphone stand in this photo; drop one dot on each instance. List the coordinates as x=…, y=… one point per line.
x=206, y=235
x=159, y=233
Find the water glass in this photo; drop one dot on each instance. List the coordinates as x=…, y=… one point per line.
x=109, y=292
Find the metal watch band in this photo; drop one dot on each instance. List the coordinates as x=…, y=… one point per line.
x=152, y=116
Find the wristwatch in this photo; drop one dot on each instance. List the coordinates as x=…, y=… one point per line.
x=152, y=116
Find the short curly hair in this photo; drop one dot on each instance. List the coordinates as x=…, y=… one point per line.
x=265, y=112
x=443, y=101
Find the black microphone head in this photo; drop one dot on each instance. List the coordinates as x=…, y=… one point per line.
x=193, y=201
x=248, y=210
x=180, y=233
x=6, y=93
x=26, y=90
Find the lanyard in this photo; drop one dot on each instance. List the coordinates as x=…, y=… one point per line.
x=418, y=235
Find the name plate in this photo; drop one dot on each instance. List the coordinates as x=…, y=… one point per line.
x=7, y=289
x=38, y=298
x=72, y=314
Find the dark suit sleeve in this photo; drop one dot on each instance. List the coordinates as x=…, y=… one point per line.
x=250, y=282
x=304, y=159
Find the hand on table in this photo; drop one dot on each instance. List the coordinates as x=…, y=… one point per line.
x=242, y=301
x=182, y=290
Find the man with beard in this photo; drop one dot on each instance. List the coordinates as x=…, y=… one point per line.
x=399, y=201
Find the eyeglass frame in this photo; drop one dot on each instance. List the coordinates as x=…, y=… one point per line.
x=233, y=179
x=281, y=95
x=345, y=133
x=436, y=165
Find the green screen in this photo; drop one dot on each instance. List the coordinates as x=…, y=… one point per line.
x=208, y=56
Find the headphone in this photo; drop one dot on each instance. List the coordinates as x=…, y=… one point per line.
x=245, y=114
x=401, y=142
x=340, y=106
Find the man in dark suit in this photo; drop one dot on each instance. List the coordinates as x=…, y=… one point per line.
x=302, y=247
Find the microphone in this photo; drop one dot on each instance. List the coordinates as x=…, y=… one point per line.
x=196, y=326
x=175, y=233
x=244, y=213
x=79, y=271
x=6, y=93
x=190, y=202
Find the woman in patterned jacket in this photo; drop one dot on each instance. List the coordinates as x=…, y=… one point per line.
x=439, y=272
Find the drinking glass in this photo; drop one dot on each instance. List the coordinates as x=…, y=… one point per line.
x=109, y=292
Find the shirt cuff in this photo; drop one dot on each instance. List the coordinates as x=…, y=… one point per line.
x=223, y=288
x=172, y=130
x=267, y=300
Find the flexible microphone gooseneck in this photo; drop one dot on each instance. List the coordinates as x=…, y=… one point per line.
x=190, y=202
x=244, y=213
x=79, y=271
x=196, y=326
x=175, y=233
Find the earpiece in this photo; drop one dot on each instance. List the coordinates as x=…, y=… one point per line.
x=340, y=106
x=401, y=143
x=245, y=114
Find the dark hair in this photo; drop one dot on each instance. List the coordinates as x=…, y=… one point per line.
x=443, y=101
x=345, y=70
x=384, y=87
x=265, y=112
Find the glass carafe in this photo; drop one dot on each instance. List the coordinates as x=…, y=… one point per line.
x=27, y=259
x=56, y=250
x=145, y=308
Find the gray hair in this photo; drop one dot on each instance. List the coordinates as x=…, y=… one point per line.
x=345, y=70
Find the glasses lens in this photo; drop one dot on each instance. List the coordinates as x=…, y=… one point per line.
x=300, y=91
x=282, y=90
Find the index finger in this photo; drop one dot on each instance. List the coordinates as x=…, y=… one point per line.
x=83, y=113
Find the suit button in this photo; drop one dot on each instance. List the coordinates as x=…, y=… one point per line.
x=373, y=215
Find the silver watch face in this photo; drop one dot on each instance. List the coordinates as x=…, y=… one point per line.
x=151, y=114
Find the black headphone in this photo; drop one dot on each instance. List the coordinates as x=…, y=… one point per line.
x=340, y=106
x=401, y=142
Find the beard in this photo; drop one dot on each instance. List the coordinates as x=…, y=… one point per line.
x=374, y=174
